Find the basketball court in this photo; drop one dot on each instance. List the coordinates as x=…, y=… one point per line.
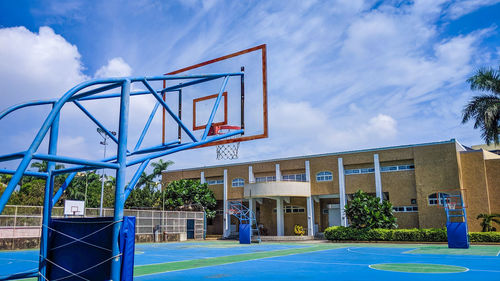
x=303, y=261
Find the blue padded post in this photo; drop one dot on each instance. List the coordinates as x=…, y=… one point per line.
x=245, y=233
x=457, y=235
x=127, y=248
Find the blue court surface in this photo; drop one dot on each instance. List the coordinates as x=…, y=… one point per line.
x=224, y=260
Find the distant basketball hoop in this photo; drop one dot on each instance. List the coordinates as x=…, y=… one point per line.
x=226, y=151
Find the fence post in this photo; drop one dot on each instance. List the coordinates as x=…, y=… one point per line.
x=14, y=229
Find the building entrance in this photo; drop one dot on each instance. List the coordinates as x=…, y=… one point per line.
x=333, y=214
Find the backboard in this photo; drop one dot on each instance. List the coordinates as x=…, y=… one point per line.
x=453, y=199
x=243, y=103
x=74, y=208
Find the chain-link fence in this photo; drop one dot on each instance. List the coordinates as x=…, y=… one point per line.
x=26, y=221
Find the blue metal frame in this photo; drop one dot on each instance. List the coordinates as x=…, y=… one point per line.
x=118, y=162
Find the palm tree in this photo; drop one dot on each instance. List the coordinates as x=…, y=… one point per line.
x=160, y=166
x=42, y=166
x=487, y=219
x=485, y=109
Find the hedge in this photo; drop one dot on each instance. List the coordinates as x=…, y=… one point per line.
x=340, y=233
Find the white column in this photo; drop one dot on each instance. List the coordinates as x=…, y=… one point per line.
x=343, y=218
x=251, y=176
x=378, y=179
x=308, y=173
x=251, y=206
x=280, y=226
x=226, y=230
x=202, y=178
x=310, y=203
x=310, y=216
x=278, y=172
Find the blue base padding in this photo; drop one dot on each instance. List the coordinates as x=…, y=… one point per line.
x=127, y=248
x=245, y=234
x=457, y=235
x=81, y=258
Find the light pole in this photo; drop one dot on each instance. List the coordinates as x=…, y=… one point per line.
x=79, y=174
x=105, y=143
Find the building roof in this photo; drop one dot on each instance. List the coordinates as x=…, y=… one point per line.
x=320, y=155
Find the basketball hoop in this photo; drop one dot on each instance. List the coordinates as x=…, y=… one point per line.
x=227, y=151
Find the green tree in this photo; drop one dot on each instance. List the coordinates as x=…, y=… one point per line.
x=189, y=194
x=366, y=211
x=485, y=109
x=146, y=194
x=487, y=219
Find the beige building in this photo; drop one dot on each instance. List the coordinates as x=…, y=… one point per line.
x=312, y=190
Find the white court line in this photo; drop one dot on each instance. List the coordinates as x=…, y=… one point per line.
x=430, y=256
x=8, y=259
x=318, y=262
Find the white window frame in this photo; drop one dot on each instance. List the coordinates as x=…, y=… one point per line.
x=215, y=182
x=324, y=176
x=294, y=177
x=238, y=182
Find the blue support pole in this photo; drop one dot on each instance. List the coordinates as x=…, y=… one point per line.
x=167, y=108
x=214, y=109
x=71, y=160
x=27, y=173
x=146, y=127
x=79, y=105
x=120, y=179
x=47, y=200
x=63, y=187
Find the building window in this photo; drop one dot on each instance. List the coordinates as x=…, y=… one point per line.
x=397, y=168
x=239, y=182
x=289, y=209
x=352, y=172
x=405, y=209
x=214, y=182
x=325, y=211
x=296, y=177
x=434, y=201
x=324, y=176
x=265, y=179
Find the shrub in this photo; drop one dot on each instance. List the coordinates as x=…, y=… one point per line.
x=341, y=233
x=366, y=211
x=484, y=236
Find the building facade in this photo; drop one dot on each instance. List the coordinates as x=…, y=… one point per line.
x=312, y=190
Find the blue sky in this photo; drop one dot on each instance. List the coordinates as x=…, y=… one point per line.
x=343, y=75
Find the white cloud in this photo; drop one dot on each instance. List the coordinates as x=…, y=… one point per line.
x=115, y=67
x=460, y=8
x=36, y=65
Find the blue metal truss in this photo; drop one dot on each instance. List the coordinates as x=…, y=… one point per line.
x=92, y=90
x=245, y=216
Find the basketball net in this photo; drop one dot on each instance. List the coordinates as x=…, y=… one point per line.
x=228, y=151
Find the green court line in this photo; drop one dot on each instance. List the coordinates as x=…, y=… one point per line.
x=444, y=250
x=190, y=264
x=419, y=268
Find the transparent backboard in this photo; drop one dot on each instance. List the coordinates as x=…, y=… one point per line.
x=243, y=103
